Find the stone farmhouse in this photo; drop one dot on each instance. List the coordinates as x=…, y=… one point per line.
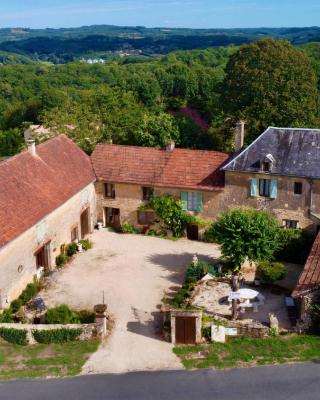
x=53, y=194
x=128, y=176
x=47, y=198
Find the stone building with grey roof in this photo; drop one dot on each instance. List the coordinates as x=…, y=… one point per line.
x=279, y=172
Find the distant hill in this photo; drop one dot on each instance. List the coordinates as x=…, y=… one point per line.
x=67, y=44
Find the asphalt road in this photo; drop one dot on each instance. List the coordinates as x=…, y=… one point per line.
x=287, y=382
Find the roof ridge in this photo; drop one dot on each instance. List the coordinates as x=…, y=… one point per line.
x=162, y=150
x=294, y=129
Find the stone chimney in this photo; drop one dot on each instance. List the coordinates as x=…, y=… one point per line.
x=239, y=142
x=170, y=146
x=31, y=143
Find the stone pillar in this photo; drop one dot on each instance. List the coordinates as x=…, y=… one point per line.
x=101, y=319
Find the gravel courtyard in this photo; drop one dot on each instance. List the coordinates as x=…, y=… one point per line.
x=133, y=271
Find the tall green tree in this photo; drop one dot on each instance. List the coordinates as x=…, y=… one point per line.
x=269, y=82
x=245, y=234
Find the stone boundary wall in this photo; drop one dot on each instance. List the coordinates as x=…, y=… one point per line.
x=89, y=331
x=250, y=329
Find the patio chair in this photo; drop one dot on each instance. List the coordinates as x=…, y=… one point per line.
x=255, y=306
x=244, y=306
x=261, y=299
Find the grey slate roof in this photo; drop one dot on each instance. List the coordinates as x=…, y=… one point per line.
x=296, y=153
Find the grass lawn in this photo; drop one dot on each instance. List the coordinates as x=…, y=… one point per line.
x=42, y=360
x=247, y=352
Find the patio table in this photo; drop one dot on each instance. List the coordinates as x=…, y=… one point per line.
x=247, y=294
x=243, y=294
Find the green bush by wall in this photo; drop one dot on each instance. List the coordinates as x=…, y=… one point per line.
x=16, y=336
x=56, y=335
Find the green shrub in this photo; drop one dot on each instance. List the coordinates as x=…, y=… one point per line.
x=61, y=315
x=182, y=294
x=61, y=260
x=15, y=305
x=271, y=272
x=16, y=336
x=196, y=272
x=71, y=249
x=295, y=245
x=6, y=316
x=128, y=228
x=56, y=335
x=86, y=244
x=206, y=333
x=170, y=211
x=85, y=316
x=29, y=292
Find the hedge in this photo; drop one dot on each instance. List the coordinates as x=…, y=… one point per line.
x=16, y=336
x=56, y=335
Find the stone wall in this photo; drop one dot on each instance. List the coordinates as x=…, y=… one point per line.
x=89, y=331
x=287, y=205
x=249, y=328
x=304, y=322
x=17, y=259
x=236, y=193
x=129, y=198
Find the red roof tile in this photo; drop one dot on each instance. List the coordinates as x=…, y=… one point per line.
x=310, y=277
x=180, y=168
x=33, y=186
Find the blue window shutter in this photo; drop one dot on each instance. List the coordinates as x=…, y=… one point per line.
x=184, y=199
x=200, y=204
x=274, y=189
x=254, y=187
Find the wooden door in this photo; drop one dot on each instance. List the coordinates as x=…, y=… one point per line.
x=193, y=232
x=43, y=257
x=84, y=219
x=185, y=330
x=112, y=216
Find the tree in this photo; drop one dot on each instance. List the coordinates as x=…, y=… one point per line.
x=11, y=142
x=245, y=234
x=157, y=130
x=269, y=82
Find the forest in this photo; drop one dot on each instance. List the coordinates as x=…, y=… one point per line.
x=193, y=97
x=69, y=44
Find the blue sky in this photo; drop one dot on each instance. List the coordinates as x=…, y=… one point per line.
x=173, y=13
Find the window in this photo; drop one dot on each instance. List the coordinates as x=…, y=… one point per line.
x=146, y=217
x=264, y=187
x=298, y=188
x=290, y=224
x=74, y=234
x=192, y=201
x=109, y=190
x=147, y=193
x=266, y=166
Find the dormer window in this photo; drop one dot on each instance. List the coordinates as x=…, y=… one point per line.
x=267, y=163
x=265, y=166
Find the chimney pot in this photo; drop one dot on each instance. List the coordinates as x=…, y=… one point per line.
x=170, y=146
x=31, y=143
x=239, y=142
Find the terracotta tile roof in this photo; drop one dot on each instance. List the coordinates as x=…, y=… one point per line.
x=310, y=277
x=180, y=168
x=31, y=187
